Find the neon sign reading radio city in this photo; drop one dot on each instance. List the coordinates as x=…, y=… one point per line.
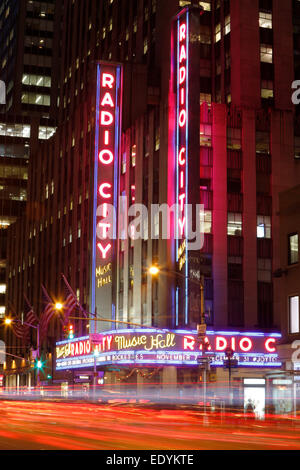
x=182, y=126
x=108, y=152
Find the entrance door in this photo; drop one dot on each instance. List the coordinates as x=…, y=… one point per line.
x=256, y=395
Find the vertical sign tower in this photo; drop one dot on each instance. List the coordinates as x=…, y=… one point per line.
x=186, y=86
x=105, y=204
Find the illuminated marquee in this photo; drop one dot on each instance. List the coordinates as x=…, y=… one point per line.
x=107, y=138
x=149, y=346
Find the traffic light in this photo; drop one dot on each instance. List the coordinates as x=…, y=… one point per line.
x=70, y=332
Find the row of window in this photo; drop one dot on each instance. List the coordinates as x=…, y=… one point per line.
x=36, y=99
x=36, y=80
x=24, y=130
x=235, y=225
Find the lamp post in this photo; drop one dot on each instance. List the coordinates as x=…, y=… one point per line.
x=96, y=354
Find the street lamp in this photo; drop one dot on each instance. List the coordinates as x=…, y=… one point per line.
x=59, y=306
x=154, y=270
x=8, y=321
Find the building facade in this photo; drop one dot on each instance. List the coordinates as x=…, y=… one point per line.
x=242, y=147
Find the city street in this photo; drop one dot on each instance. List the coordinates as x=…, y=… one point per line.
x=73, y=426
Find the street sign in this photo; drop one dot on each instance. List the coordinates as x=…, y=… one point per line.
x=204, y=359
x=201, y=329
x=95, y=338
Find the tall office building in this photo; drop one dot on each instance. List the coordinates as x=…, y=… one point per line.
x=29, y=64
x=226, y=65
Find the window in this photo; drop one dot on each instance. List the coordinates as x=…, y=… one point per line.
x=297, y=147
x=264, y=270
x=227, y=25
x=234, y=224
x=133, y=155
x=265, y=20
x=293, y=256
x=218, y=32
x=46, y=133
x=294, y=323
x=205, y=135
x=36, y=80
x=15, y=130
x=145, y=46
x=205, y=34
x=267, y=89
x=263, y=226
x=206, y=5
x=2, y=288
x=262, y=142
x=234, y=139
x=266, y=53
x=2, y=312
x=36, y=98
x=207, y=222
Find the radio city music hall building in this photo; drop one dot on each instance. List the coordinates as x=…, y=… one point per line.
x=165, y=107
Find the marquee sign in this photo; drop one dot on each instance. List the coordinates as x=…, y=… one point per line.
x=107, y=138
x=168, y=347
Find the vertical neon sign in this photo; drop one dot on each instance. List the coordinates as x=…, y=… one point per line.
x=107, y=138
x=182, y=151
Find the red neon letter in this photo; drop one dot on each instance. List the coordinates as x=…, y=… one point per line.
x=181, y=225
x=182, y=97
x=182, y=118
x=106, y=118
x=268, y=346
x=106, y=137
x=103, y=250
x=221, y=343
x=106, y=160
x=108, y=80
x=182, y=31
x=181, y=180
x=182, y=54
x=245, y=347
x=104, y=227
x=181, y=200
x=181, y=159
x=189, y=343
x=182, y=75
x=107, y=100
x=101, y=190
x=206, y=341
